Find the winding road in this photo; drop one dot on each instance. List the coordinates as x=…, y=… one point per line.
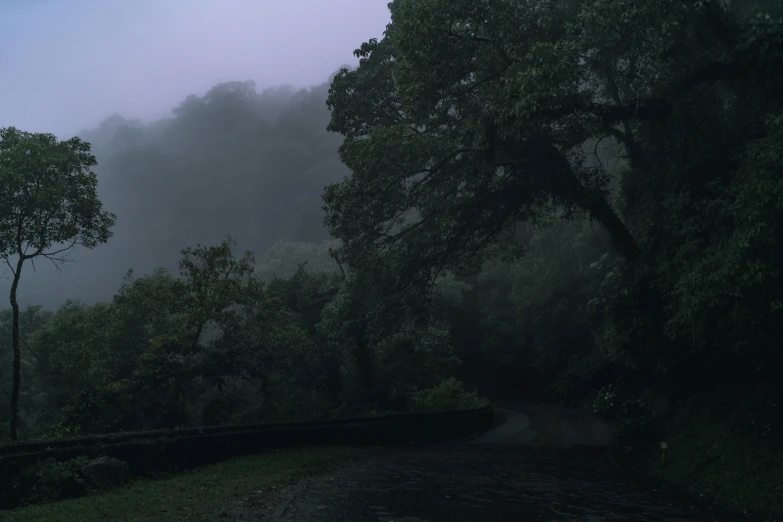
x=539, y=463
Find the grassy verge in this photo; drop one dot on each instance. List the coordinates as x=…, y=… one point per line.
x=722, y=452
x=195, y=492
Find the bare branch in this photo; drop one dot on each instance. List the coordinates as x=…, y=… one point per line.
x=595, y=150
x=29, y=349
x=69, y=247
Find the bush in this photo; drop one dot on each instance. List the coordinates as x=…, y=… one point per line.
x=449, y=395
x=581, y=378
x=632, y=416
x=48, y=481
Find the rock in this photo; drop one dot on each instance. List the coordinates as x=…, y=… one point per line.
x=106, y=472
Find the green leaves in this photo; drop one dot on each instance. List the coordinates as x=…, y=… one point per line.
x=458, y=125
x=169, y=350
x=469, y=117
x=740, y=262
x=449, y=395
x=49, y=196
x=215, y=280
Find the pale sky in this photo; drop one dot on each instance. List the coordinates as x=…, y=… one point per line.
x=67, y=64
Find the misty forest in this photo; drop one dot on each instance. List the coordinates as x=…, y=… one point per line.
x=575, y=201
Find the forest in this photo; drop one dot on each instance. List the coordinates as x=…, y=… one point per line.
x=580, y=201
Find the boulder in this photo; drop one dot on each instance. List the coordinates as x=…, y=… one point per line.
x=106, y=472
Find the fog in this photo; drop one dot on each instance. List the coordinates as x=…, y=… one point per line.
x=65, y=64
x=232, y=160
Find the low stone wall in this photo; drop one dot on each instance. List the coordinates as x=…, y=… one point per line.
x=147, y=452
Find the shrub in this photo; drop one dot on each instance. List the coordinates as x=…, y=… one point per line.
x=450, y=394
x=580, y=378
x=48, y=481
x=632, y=416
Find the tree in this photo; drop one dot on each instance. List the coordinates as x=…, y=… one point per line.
x=48, y=206
x=31, y=320
x=470, y=117
x=359, y=319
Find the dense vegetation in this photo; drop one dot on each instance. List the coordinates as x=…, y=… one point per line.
x=574, y=198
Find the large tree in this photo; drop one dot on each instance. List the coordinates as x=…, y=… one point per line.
x=48, y=205
x=471, y=116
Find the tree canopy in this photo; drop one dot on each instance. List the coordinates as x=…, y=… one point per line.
x=469, y=117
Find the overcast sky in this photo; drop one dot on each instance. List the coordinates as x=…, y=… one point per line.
x=67, y=64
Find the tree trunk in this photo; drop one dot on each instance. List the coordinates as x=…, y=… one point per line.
x=566, y=186
x=17, y=364
x=600, y=210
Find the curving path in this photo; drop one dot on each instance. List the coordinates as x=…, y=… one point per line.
x=539, y=463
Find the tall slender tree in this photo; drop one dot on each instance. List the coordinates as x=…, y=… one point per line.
x=48, y=206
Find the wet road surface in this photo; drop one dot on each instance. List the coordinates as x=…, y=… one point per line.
x=540, y=463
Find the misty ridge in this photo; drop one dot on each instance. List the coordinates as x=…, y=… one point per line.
x=240, y=161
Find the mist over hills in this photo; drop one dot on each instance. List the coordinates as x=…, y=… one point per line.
x=238, y=160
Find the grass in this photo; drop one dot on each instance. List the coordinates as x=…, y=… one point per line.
x=190, y=494
x=715, y=454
